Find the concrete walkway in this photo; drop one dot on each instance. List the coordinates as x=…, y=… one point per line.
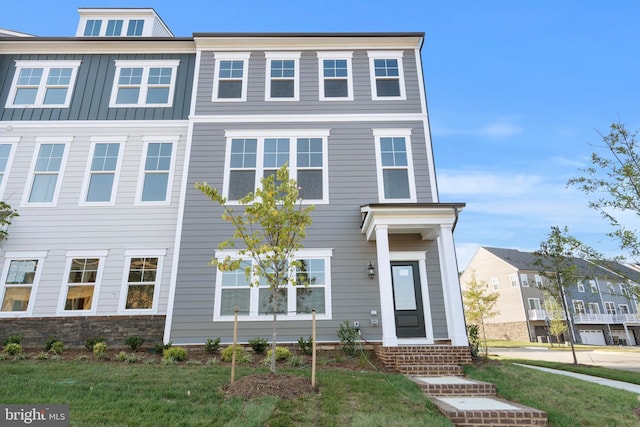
x=634, y=388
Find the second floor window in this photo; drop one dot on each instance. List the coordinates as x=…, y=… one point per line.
x=282, y=76
x=157, y=172
x=102, y=172
x=578, y=307
x=335, y=76
x=42, y=84
x=395, y=165
x=230, y=81
x=144, y=84
x=47, y=168
x=387, y=75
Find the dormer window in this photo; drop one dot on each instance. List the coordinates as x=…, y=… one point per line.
x=114, y=28
x=121, y=22
x=92, y=29
x=135, y=28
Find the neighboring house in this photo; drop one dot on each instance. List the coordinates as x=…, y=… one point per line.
x=93, y=131
x=602, y=304
x=103, y=135
x=347, y=113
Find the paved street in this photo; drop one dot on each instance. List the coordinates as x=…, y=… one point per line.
x=610, y=359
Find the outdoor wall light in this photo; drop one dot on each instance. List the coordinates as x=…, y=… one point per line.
x=371, y=270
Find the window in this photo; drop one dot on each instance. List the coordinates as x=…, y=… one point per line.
x=538, y=280
x=42, y=84
x=580, y=287
x=395, y=165
x=294, y=302
x=622, y=289
x=578, y=307
x=609, y=307
x=387, y=75
x=610, y=288
x=230, y=78
x=20, y=279
x=82, y=281
x=144, y=83
x=524, y=279
x=336, y=83
x=114, y=27
x=142, y=280
x=495, y=283
x=46, y=172
x=593, y=286
x=6, y=156
x=282, y=76
x=92, y=28
x=513, y=279
x=253, y=155
x=135, y=27
x=593, y=307
x=157, y=173
x=534, y=304
x=101, y=177
x=623, y=308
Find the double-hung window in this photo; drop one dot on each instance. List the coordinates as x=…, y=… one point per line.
x=534, y=304
x=387, y=75
x=6, y=156
x=593, y=286
x=156, y=172
x=580, y=286
x=593, y=307
x=395, y=165
x=82, y=281
x=336, y=83
x=230, y=78
x=312, y=290
x=19, y=281
x=144, y=83
x=143, y=270
x=102, y=175
x=283, y=79
x=42, y=84
x=524, y=279
x=252, y=155
x=495, y=283
x=538, y=280
x=46, y=171
x=513, y=279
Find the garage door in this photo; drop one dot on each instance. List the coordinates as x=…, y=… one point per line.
x=592, y=337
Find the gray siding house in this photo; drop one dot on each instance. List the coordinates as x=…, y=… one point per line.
x=603, y=307
x=347, y=113
x=93, y=131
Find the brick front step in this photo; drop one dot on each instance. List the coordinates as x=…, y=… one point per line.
x=484, y=411
x=454, y=386
x=431, y=370
x=423, y=355
x=426, y=359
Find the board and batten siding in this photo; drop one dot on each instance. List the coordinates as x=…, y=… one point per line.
x=309, y=102
x=92, y=91
x=68, y=226
x=336, y=225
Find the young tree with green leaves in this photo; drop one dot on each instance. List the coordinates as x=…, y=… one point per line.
x=479, y=306
x=556, y=324
x=556, y=261
x=271, y=229
x=613, y=179
x=6, y=215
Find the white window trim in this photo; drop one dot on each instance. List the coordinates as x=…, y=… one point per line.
x=534, y=299
x=101, y=256
x=141, y=253
x=146, y=32
x=13, y=142
x=495, y=283
x=623, y=305
x=47, y=66
x=63, y=163
x=341, y=55
x=399, y=133
x=229, y=56
x=325, y=254
x=538, y=280
x=144, y=85
x=513, y=280
x=141, y=174
x=593, y=286
x=590, y=305
x=286, y=56
x=524, y=280
x=383, y=54
x=580, y=287
x=293, y=135
x=578, y=302
x=116, y=174
x=17, y=256
x=609, y=304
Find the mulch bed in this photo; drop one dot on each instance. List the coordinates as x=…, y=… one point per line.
x=280, y=385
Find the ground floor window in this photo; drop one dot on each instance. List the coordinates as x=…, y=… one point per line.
x=142, y=279
x=19, y=280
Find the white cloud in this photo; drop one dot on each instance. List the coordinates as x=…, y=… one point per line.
x=454, y=183
x=498, y=129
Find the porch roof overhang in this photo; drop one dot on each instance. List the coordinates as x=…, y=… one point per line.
x=409, y=218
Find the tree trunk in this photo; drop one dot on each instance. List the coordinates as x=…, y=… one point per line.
x=275, y=331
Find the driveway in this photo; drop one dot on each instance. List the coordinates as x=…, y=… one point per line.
x=610, y=359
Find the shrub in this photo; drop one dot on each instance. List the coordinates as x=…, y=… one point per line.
x=122, y=356
x=100, y=349
x=43, y=355
x=259, y=345
x=135, y=342
x=178, y=354
x=167, y=362
x=282, y=353
x=150, y=361
x=295, y=361
x=212, y=346
x=49, y=342
x=213, y=361
x=91, y=342
x=13, y=339
x=57, y=347
x=348, y=336
x=160, y=347
x=242, y=356
x=474, y=340
x=306, y=345
x=13, y=349
x=193, y=362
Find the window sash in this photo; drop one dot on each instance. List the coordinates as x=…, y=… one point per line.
x=282, y=76
x=144, y=84
x=156, y=172
x=396, y=181
x=141, y=283
x=20, y=279
x=387, y=75
x=47, y=168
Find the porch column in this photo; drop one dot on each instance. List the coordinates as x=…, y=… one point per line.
x=387, y=317
x=451, y=287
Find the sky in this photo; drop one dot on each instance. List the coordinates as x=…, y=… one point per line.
x=518, y=92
